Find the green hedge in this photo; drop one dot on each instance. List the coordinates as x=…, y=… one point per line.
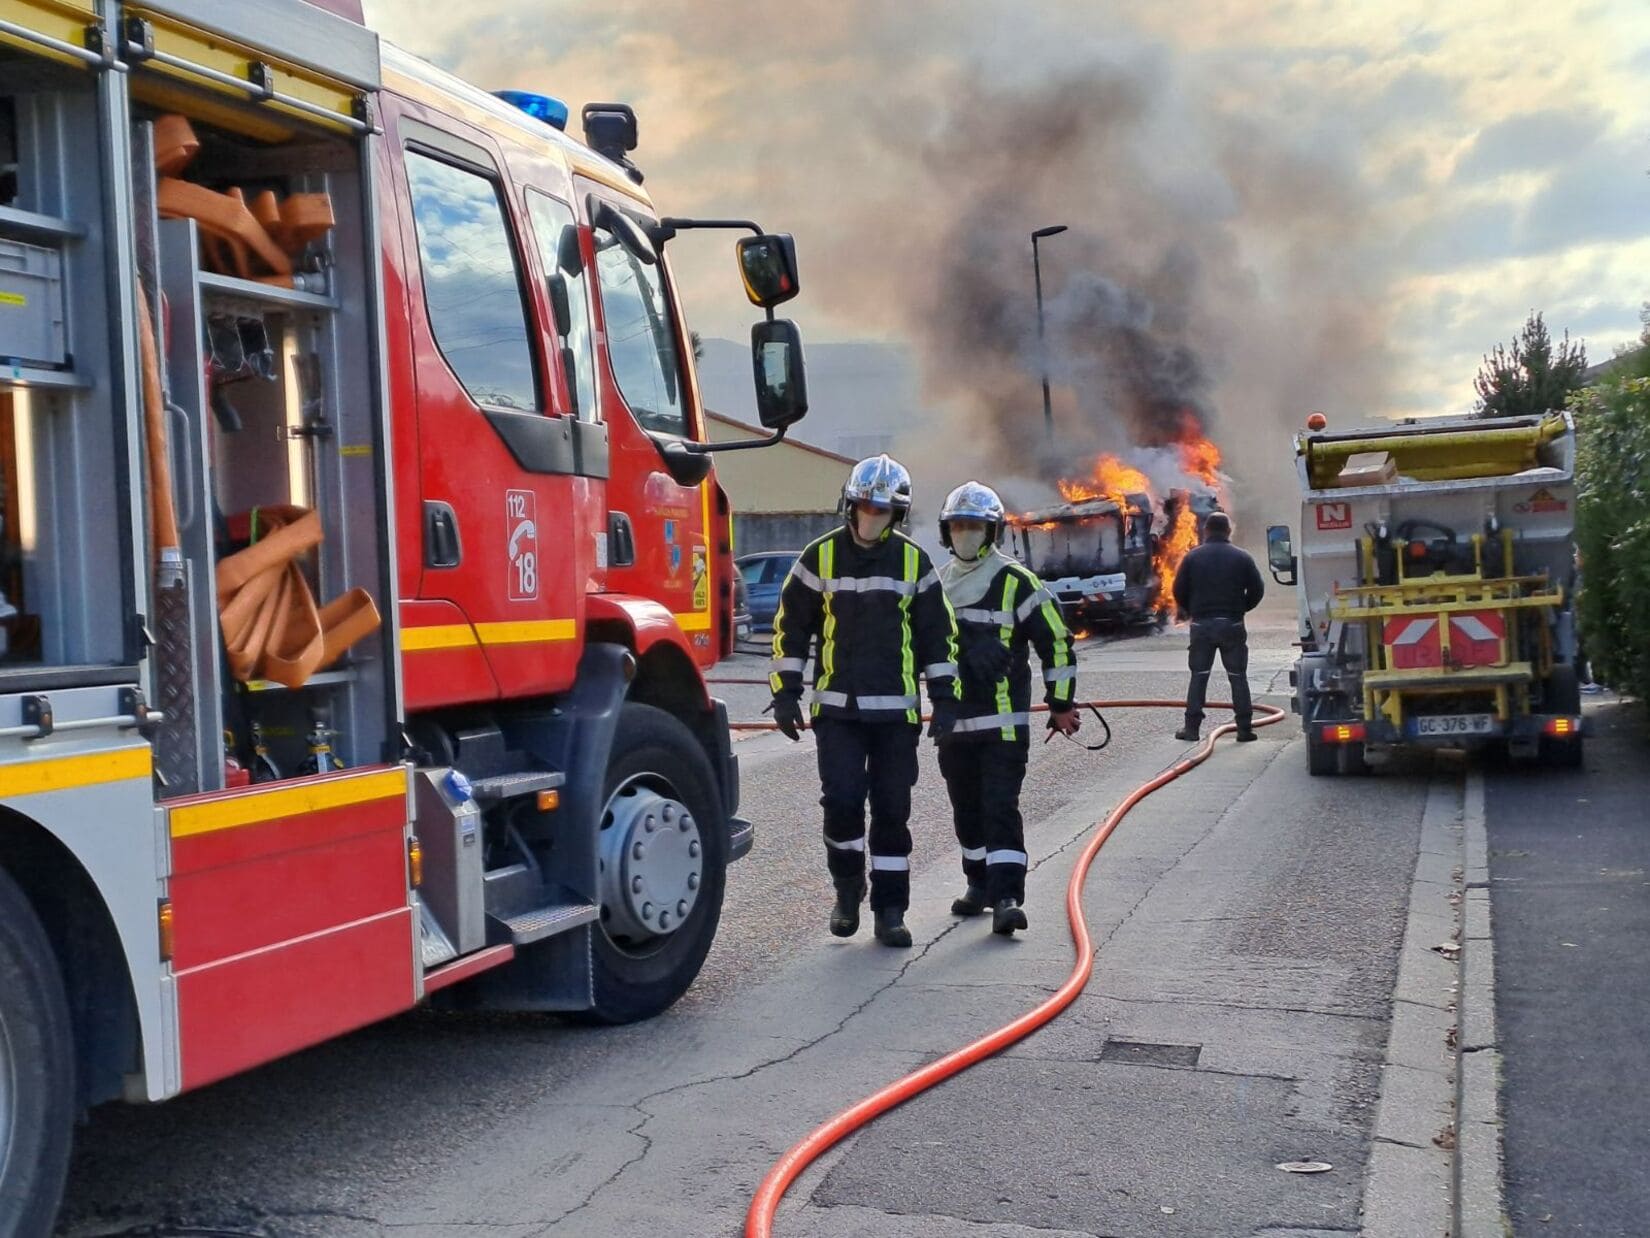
x=1613, y=529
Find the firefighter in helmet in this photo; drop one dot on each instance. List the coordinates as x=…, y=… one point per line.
x=872, y=600
x=1002, y=610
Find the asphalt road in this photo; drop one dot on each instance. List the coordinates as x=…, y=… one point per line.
x=1570, y=900
x=1250, y=920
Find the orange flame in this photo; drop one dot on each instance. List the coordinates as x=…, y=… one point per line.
x=1201, y=459
x=1173, y=547
x=1111, y=479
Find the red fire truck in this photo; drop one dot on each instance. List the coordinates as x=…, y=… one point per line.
x=360, y=556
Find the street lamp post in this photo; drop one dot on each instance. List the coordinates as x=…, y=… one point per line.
x=1042, y=345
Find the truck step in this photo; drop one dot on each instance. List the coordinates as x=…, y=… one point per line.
x=546, y=921
x=434, y=946
x=508, y=786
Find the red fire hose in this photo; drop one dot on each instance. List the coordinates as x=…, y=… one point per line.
x=759, y=1220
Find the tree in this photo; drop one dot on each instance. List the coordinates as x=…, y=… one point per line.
x=698, y=345
x=1529, y=377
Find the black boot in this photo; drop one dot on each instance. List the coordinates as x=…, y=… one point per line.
x=845, y=915
x=972, y=902
x=1006, y=917
x=890, y=927
x=1246, y=735
x=1187, y=733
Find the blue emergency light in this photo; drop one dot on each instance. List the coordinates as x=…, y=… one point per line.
x=552, y=112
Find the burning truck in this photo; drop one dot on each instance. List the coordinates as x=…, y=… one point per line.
x=1109, y=551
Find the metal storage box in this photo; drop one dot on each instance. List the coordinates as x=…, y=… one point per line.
x=31, y=305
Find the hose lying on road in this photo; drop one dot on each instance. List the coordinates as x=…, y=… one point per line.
x=759, y=1220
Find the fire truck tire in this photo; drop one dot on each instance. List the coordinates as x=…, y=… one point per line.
x=637, y=982
x=36, y=1071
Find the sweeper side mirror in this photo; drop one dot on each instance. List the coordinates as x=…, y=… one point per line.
x=1280, y=553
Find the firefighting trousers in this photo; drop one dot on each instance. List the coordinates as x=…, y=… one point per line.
x=984, y=780
x=878, y=761
x=1229, y=638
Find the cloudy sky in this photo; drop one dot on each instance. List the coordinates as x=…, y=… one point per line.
x=1309, y=203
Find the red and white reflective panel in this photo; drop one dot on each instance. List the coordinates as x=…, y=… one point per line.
x=1475, y=637
x=1412, y=643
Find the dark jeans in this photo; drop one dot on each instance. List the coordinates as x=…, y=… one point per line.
x=876, y=760
x=984, y=779
x=1228, y=637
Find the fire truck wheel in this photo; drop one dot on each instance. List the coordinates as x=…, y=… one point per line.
x=36, y=1070
x=664, y=858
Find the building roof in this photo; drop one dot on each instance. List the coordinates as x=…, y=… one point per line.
x=745, y=428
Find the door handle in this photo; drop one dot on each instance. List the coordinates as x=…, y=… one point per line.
x=621, y=541
x=442, y=545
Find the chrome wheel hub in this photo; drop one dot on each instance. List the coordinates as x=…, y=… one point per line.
x=652, y=864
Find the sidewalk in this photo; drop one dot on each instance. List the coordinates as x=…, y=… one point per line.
x=1570, y=900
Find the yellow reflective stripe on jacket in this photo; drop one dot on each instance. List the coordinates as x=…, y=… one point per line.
x=1005, y=704
x=908, y=653
x=827, y=641
x=1064, y=688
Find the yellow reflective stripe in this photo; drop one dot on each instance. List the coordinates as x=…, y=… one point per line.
x=252, y=807
x=437, y=636
x=908, y=652
x=694, y=621
x=1005, y=704
x=1062, y=645
x=34, y=777
x=827, y=643
x=950, y=647
x=526, y=631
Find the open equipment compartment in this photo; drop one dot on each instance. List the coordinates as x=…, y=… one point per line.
x=67, y=561
x=272, y=381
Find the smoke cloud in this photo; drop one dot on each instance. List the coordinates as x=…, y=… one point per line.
x=1225, y=267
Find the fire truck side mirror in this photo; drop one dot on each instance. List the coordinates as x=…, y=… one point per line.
x=767, y=265
x=627, y=232
x=781, y=376
x=1280, y=553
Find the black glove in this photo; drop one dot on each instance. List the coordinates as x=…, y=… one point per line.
x=984, y=663
x=942, y=719
x=787, y=715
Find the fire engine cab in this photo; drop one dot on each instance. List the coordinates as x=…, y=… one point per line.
x=360, y=556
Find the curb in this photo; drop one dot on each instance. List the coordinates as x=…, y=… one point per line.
x=1479, y=1200
x=1410, y=1184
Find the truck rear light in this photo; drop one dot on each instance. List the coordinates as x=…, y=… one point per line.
x=1562, y=726
x=164, y=928
x=1342, y=732
x=549, y=800
x=415, y=863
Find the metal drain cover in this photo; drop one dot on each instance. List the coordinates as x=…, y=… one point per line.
x=1144, y=1053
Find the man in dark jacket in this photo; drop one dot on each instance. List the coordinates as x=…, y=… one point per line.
x=872, y=600
x=1002, y=611
x=1216, y=586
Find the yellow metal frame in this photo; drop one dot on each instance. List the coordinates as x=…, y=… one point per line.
x=1494, y=451
x=268, y=119
x=62, y=20
x=1440, y=595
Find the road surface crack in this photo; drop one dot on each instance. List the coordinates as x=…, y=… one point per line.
x=640, y=1105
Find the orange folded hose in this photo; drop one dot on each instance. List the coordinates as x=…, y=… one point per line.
x=272, y=628
x=759, y=1220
